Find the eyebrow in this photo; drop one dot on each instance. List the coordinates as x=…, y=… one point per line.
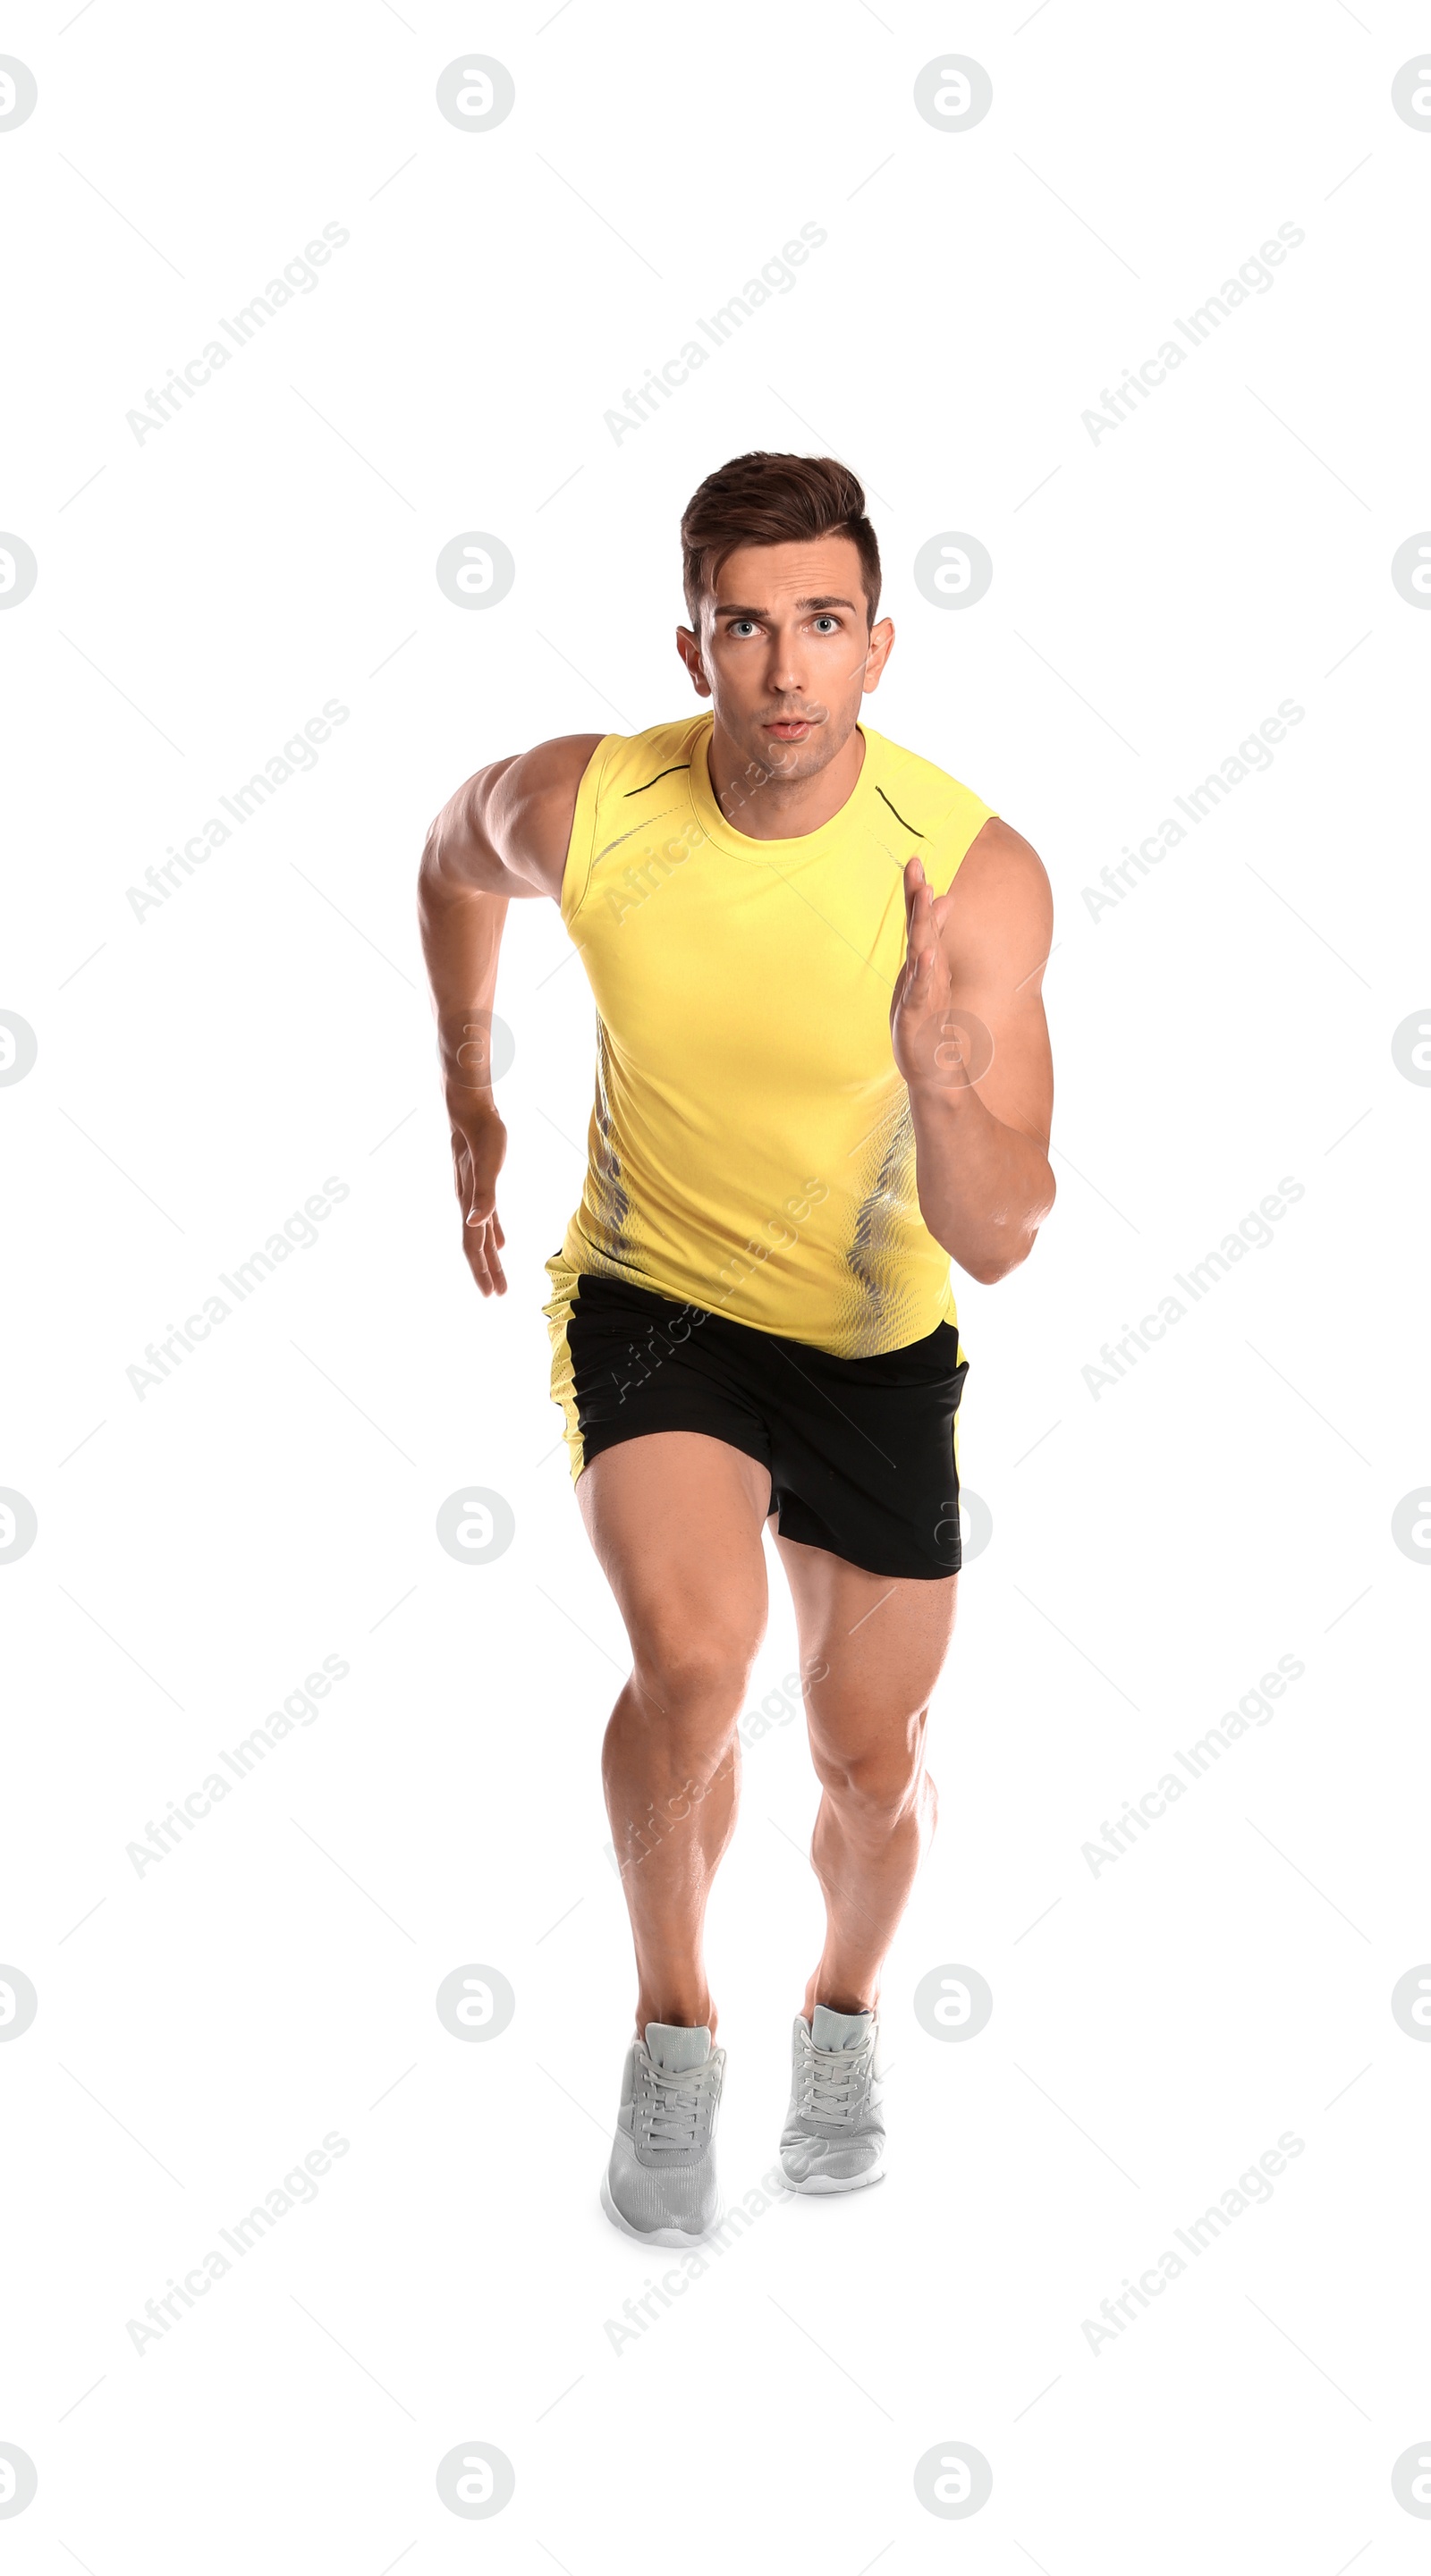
x=725, y=609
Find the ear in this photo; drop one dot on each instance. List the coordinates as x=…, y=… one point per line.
x=880, y=647
x=689, y=647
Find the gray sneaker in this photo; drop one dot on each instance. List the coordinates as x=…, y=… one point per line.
x=661, y=2182
x=833, y=2138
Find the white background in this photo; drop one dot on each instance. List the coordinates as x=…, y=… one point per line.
x=201, y=1070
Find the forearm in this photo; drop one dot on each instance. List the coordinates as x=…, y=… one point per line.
x=984, y=1188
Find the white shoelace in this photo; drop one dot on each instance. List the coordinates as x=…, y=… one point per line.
x=671, y=2106
x=834, y=2081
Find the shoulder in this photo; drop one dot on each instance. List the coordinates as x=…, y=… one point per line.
x=612, y=802
x=1000, y=905
x=1001, y=865
x=525, y=806
x=942, y=815
x=592, y=767
x=625, y=764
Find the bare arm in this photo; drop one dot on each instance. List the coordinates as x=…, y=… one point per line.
x=971, y=1040
x=503, y=835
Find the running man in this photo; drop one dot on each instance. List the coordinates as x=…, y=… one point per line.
x=822, y=1073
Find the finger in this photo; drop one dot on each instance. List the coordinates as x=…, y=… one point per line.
x=922, y=933
x=475, y=1247
x=934, y=979
x=939, y=979
x=479, y=1242
x=494, y=1277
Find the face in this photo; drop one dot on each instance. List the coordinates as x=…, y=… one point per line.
x=784, y=652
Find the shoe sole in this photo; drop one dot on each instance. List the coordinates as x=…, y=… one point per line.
x=825, y=2183
x=673, y=2237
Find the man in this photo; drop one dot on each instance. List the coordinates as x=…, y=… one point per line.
x=822, y=1071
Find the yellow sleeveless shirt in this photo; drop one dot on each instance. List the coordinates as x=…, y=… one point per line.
x=751, y=1149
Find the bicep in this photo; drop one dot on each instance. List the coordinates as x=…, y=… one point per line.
x=996, y=938
x=532, y=808
x=507, y=828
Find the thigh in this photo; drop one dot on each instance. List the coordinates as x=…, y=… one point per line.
x=676, y=1518
x=872, y=1647
x=627, y=1364
x=864, y=1460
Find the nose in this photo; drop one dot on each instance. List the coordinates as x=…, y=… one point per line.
x=785, y=677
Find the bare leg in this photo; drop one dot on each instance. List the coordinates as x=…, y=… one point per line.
x=877, y=1643
x=676, y=1520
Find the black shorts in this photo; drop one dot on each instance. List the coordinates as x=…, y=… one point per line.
x=862, y=1453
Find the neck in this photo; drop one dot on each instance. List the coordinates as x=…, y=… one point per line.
x=773, y=808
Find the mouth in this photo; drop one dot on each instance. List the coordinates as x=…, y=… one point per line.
x=788, y=728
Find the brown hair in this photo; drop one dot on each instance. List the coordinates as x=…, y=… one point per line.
x=766, y=499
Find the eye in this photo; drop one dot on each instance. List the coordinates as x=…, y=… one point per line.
x=742, y=624
x=829, y=623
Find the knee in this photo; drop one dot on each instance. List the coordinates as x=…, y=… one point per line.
x=877, y=1790
x=693, y=1671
